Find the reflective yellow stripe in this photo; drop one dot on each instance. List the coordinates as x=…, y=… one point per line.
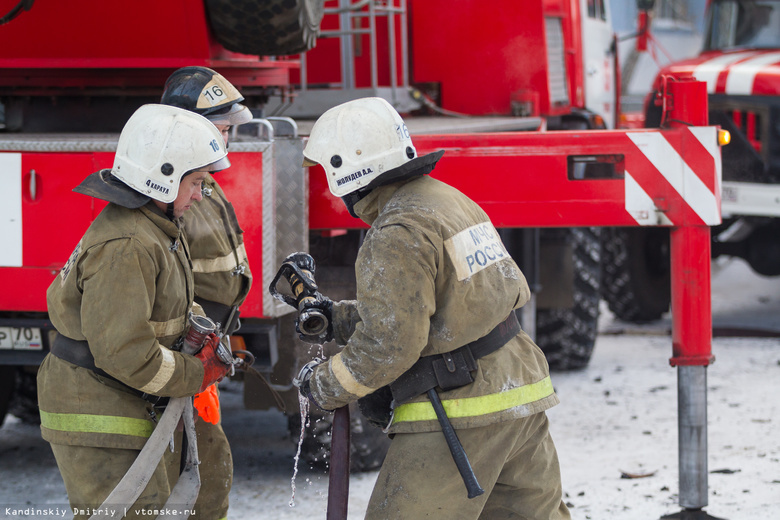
x=345, y=378
x=86, y=423
x=222, y=263
x=473, y=406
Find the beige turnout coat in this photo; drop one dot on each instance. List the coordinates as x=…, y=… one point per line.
x=216, y=241
x=432, y=276
x=127, y=290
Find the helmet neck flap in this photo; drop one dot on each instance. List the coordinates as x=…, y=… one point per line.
x=414, y=168
x=104, y=186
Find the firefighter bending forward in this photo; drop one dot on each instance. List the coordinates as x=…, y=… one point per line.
x=436, y=294
x=120, y=304
x=220, y=268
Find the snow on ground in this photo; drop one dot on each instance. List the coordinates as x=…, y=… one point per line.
x=617, y=416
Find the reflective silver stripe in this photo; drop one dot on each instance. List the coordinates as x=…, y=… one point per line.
x=172, y=327
x=198, y=309
x=346, y=379
x=164, y=373
x=222, y=263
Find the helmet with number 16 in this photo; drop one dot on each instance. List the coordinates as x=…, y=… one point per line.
x=208, y=93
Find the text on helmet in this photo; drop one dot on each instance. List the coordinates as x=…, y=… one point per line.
x=157, y=187
x=354, y=176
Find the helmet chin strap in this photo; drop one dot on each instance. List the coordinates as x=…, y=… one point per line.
x=350, y=199
x=169, y=211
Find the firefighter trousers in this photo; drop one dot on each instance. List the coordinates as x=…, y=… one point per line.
x=216, y=471
x=514, y=461
x=91, y=474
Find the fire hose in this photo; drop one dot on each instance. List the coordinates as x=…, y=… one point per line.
x=185, y=492
x=298, y=270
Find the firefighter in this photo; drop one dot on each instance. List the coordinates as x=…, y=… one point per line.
x=433, y=323
x=120, y=304
x=220, y=266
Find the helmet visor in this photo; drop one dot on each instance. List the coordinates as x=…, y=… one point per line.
x=234, y=115
x=217, y=166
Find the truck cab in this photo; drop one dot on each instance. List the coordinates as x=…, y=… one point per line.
x=740, y=64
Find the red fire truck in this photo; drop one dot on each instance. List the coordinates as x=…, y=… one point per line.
x=88, y=75
x=740, y=63
x=520, y=94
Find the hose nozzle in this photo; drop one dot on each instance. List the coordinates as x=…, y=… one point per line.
x=298, y=270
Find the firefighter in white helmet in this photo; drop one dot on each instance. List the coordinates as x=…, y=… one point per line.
x=220, y=266
x=434, y=323
x=120, y=304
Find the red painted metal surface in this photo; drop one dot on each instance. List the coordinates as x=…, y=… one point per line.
x=323, y=62
x=481, y=56
x=53, y=220
x=126, y=45
x=242, y=186
x=98, y=32
x=691, y=111
x=487, y=52
x=719, y=68
x=53, y=223
x=690, y=248
x=691, y=296
x=521, y=179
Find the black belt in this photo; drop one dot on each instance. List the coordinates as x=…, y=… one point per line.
x=225, y=315
x=452, y=369
x=78, y=353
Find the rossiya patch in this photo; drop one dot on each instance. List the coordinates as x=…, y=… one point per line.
x=474, y=249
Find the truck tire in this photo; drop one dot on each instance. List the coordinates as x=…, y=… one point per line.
x=7, y=385
x=636, y=273
x=368, y=444
x=266, y=27
x=567, y=335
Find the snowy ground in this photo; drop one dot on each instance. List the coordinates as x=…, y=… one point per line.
x=617, y=416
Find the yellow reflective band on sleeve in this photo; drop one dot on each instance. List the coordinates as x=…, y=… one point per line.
x=86, y=423
x=475, y=406
x=164, y=373
x=345, y=378
x=222, y=263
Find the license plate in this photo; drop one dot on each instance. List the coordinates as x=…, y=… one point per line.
x=20, y=338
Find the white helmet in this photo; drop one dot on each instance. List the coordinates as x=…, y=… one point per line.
x=358, y=141
x=159, y=144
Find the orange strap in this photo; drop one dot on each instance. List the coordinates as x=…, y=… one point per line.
x=207, y=404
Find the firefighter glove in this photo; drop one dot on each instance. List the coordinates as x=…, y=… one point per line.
x=213, y=367
x=377, y=407
x=301, y=381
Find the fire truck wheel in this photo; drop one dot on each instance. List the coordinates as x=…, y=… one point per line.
x=24, y=403
x=567, y=335
x=7, y=384
x=368, y=445
x=636, y=277
x=266, y=27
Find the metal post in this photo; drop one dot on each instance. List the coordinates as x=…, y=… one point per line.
x=692, y=352
x=404, y=46
x=692, y=431
x=372, y=44
x=392, y=54
x=347, y=50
